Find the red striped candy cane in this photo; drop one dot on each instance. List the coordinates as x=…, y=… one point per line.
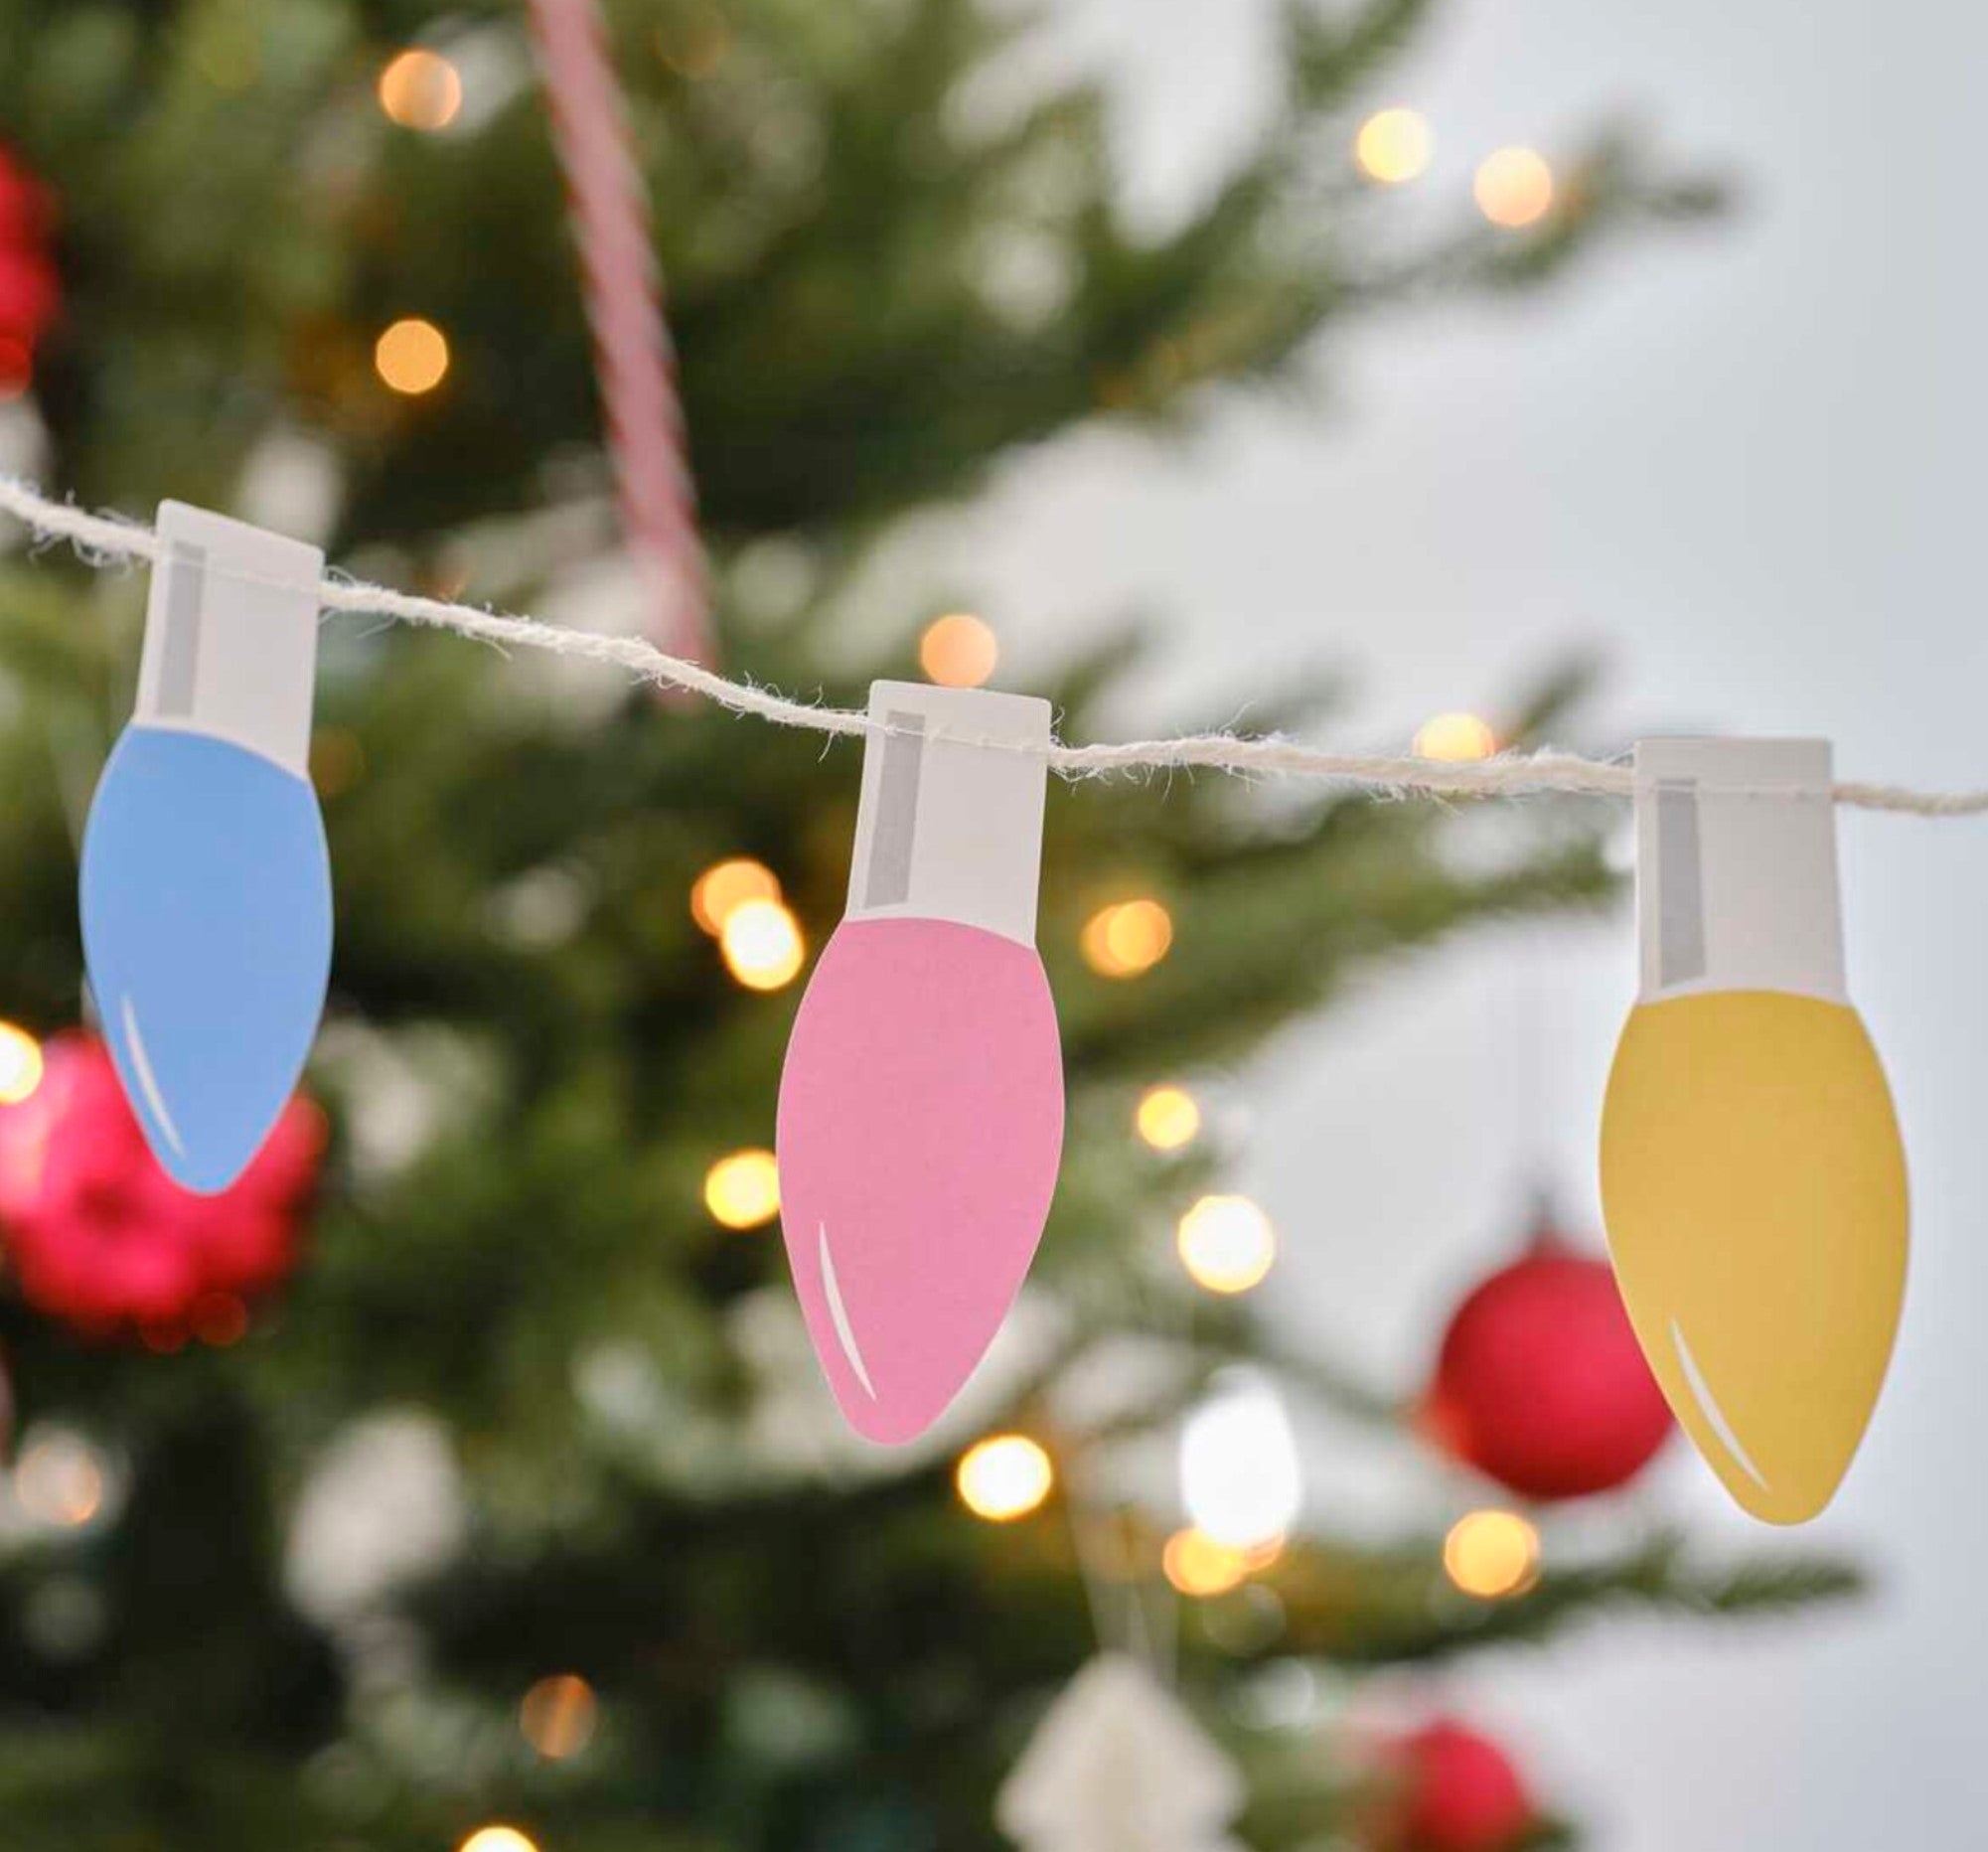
x=634, y=359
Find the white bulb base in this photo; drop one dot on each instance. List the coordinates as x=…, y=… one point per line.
x=1736, y=868
x=950, y=823
x=231, y=636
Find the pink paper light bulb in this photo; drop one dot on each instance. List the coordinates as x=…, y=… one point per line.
x=921, y=1107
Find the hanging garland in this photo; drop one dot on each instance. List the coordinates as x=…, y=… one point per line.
x=1765, y=1295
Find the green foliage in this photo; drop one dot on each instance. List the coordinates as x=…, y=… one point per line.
x=886, y=282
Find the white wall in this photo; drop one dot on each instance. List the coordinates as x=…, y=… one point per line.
x=1745, y=460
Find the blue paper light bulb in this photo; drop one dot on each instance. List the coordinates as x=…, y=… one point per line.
x=207, y=916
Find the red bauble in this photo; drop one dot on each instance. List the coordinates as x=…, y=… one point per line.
x=99, y=1236
x=1454, y=1791
x=30, y=293
x=1541, y=1384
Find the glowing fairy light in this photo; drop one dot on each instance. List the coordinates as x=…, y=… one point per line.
x=20, y=1064
x=421, y=90
x=1128, y=939
x=1195, y=1564
x=1168, y=1118
x=498, y=1839
x=959, y=651
x=1226, y=1243
x=742, y=1190
x=1393, y=146
x=411, y=357
x=1003, y=1477
x=1491, y=1554
x=559, y=1716
x=61, y=1480
x=762, y=945
x=1456, y=737
x=1239, y=1473
x=1513, y=187
x=727, y=885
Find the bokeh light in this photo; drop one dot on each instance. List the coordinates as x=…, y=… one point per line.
x=60, y=1480
x=1456, y=737
x=1128, y=939
x=20, y=1064
x=1196, y=1564
x=1003, y=1477
x=1226, y=1243
x=411, y=357
x=1240, y=1475
x=1513, y=187
x=1168, y=1118
x=1491, y=1554
x=744, y=1190
x=762, y=945
x=958, y=652
x=559, y=1716
x=727, y=885
x=1393, y=145
x=498, y=1839
x=420, y=89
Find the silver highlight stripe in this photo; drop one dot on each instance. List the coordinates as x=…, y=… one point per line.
x=1680, y=885
x=894, y=826
x=179, y=648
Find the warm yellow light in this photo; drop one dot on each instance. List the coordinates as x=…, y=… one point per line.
x=1126, y=940
x=1491, y=1554
x=1455, y=737
x=743, y=1190
x=420, y=89
x=1514, y=187
x=1226, y=1243
x=412, y=355
x=60, y=1480
x=20, y=1064
x=1197, y=1565
x=762, y=945
x=1168, y=1118
x=1392, y=146
x=1003, y=1477
x=498, y=1839
x=559, y=1715
x=726, y=885
x=958, y=652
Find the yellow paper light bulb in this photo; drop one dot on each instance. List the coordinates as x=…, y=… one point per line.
x=1753, y=1178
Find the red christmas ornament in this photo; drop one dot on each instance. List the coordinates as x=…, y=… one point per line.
x=1453, y=1791
x=99, y=1236
x=1540, y=1383
x=30, y=293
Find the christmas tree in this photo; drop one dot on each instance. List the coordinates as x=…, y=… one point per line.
x=467, y=1464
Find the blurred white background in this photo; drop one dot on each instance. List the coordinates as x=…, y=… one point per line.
x=1743, y=460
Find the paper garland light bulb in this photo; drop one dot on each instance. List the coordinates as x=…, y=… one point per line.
x=1752, y=1179
x=921, y=1107
x=207, y=916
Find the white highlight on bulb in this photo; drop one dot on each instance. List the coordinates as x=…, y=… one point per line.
x=141, y=1059
x=844, y=1332
x=1239, y=1473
